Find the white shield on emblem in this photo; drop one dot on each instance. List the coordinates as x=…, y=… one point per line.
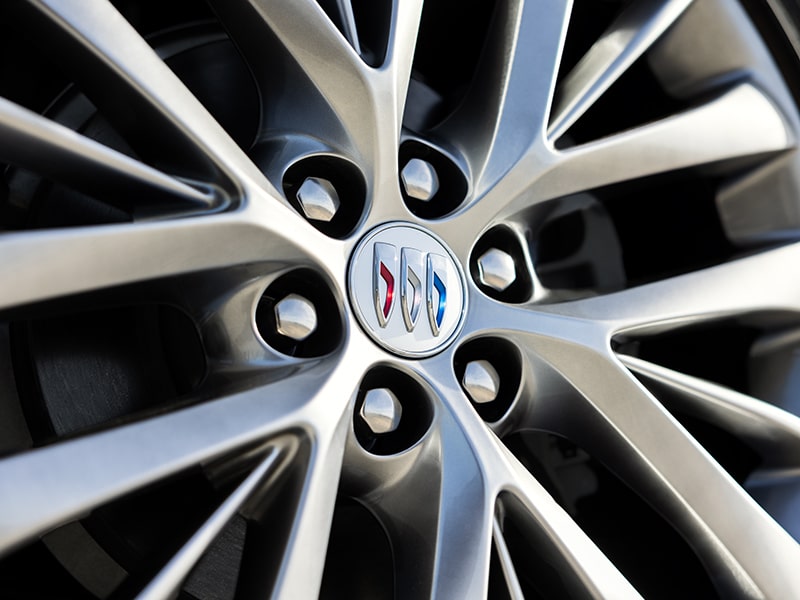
x=412, y=271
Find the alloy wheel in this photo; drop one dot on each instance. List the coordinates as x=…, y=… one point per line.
x=399, y=299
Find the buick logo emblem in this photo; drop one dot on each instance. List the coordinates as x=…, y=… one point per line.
x=417, y=269
x=407, y=289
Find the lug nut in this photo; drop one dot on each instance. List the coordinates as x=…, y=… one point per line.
x=296, y=317
x=481, y=381
x=419, y=179
x=496, y=269
x=381, y=410
x=318, y=199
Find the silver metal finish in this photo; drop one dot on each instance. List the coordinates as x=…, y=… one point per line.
x=481, y=381
x=634, y=31
x=295, y=317
x=496, y=269
x=318, y=199
x=420, y=180
x=169, y=580
x=405, y=264
x=381, y=410
x=286, y=425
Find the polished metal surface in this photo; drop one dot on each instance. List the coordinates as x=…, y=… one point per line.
x=318, y=199
x=404, y=295
x=496, y=269
x=419, y=179
x=481, y=381
x=381, y=410
x=295, y=317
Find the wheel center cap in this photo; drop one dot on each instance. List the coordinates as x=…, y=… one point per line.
x=407, y=290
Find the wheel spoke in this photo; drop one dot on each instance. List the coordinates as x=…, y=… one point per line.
x=348, y=20
x=48, y=264
x=559, y=538
x=304, y=557
x=551, y=530
x=658, y=147
x=748, y=285
x=695, y=137
x=65, y=481
x=623, y=426
x=132, y=86
x=631, y=34
x=454, y=520
x=406, y=17
x=30, y=141
x=509, y=571
x=772, y=432
x=323, y=55
x=503, y=118
x=757, y=208
x=169, y=580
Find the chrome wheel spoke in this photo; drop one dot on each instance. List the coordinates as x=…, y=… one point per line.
x=519, y=76
x=60, y=262
x=745, y=286
x=131, y=85
x=506, y=564
x=513, y=491
x=76, y=476
x=345, y=8
x=625, y=427
x=323, y=55
x=399, y=59
x=560, y=539
x=669, y=144
x=652, y=149
x=628, y=37
x=169, y=580
x=57, y=152
x=303, y=559
x=772, y=432
x=455, y=522
x=468, y=527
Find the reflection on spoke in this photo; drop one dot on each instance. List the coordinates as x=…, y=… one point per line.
x=60, y=262
x=132, y=86
x=75, y=476
x=772, y=432
x=623, y=426
x=745, y=286
x=54, y=151
x=634, y=31
x=671, y=144
x=509, y=573
x=503, y=119
x=168, y=581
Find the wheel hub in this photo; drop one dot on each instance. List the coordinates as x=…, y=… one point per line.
x=407, y=290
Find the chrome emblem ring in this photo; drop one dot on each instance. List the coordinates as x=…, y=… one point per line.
x=407, y=290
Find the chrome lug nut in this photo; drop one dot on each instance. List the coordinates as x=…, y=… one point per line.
x=481, y=381
x=318, y=199
x=381, y=411
x=496, y=269
x=295, y=317
x=419, y=179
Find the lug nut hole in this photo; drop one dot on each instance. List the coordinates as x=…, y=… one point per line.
x=392, y=412
x=298, y=316
x=499, y=268
x=490, y=373
x=330, y=192
x=431, y=183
